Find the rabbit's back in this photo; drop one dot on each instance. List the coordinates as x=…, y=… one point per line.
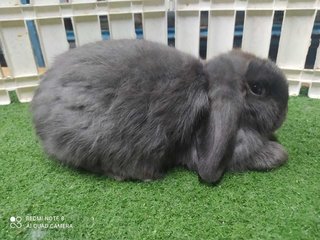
x=120, y=107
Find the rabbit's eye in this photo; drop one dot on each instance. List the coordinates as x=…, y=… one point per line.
x=256, y=89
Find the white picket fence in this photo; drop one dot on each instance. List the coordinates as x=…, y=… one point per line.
x=22, y=73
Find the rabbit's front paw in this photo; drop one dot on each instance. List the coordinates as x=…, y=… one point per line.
x=271, y=156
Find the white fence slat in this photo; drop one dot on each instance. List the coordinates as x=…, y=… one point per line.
x=11, y=83
x=121, y=26
x=314, y=90
x=188, y=32
x=222, y=4
x=48, y=11
x=19, y=57
x=44, y=2
x=87, y=29
x=301, y=4
x=294, y=77
x=121, y=20
x=294, y=87
x=2, y=84
x=84, y=9
x=155, y=27
x=17, y=48
x=155, y=5
x=4, y=97
x=260, y=4
x=317, y=61
x=294, y=43
x=257, y=32
x=25, y=94
x=10, y=13
x=52, y=37
x=220, y=32
x=83, y=1
x=6, y=3
x=295, y=38
x=118, y=7
x=186, y=5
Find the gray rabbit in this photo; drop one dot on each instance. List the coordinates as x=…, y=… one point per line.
x=132, y=109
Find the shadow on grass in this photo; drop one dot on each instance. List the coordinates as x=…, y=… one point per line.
x=304, y=91
x=13, y=97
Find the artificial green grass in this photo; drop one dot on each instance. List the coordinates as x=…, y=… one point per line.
x=281, y=204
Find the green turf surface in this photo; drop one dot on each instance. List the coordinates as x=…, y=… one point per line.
x=282, y=204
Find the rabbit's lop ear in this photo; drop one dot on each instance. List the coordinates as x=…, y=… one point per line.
x=216, y=137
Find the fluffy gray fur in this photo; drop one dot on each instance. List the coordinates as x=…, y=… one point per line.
x=132, y=109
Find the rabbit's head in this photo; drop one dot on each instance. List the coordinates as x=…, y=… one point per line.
x=266, y=96
x=262, y=85
x=244, y=92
